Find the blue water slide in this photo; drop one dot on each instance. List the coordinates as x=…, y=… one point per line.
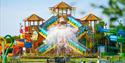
x=43, y=48
x=28, y=44
x=43, y=31
x=49, y=22
x=121, y=33
x=74, y=21
x=82, y=29
x=76, y=45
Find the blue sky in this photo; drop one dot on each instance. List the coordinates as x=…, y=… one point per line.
x=12, y=12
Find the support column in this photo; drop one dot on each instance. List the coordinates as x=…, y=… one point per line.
x=66, y=11
x=62, y=12
x=70, y=11
x=33, y=46
x=87, y=46
x=24, y=25
x=33, y=24
x=28, y=24
x=58, y=13
x=38, y=23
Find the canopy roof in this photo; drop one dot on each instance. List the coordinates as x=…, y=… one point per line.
x=62, y=5
x=90, y=17
x=34, y=17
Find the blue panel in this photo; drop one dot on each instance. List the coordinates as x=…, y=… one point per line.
x=113, y=38
x=27, y=44
x=101, y=29
x=121, y=32
x=22, y=40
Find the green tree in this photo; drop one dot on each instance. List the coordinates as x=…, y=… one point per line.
x=115, y=10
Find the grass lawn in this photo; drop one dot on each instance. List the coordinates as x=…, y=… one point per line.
x=72, y=60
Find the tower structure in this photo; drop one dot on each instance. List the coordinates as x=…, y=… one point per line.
x=31, y=24
x=62, y=9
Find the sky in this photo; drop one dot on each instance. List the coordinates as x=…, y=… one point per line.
x=12, y=12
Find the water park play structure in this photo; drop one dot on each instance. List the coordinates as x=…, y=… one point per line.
x=63, y=35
